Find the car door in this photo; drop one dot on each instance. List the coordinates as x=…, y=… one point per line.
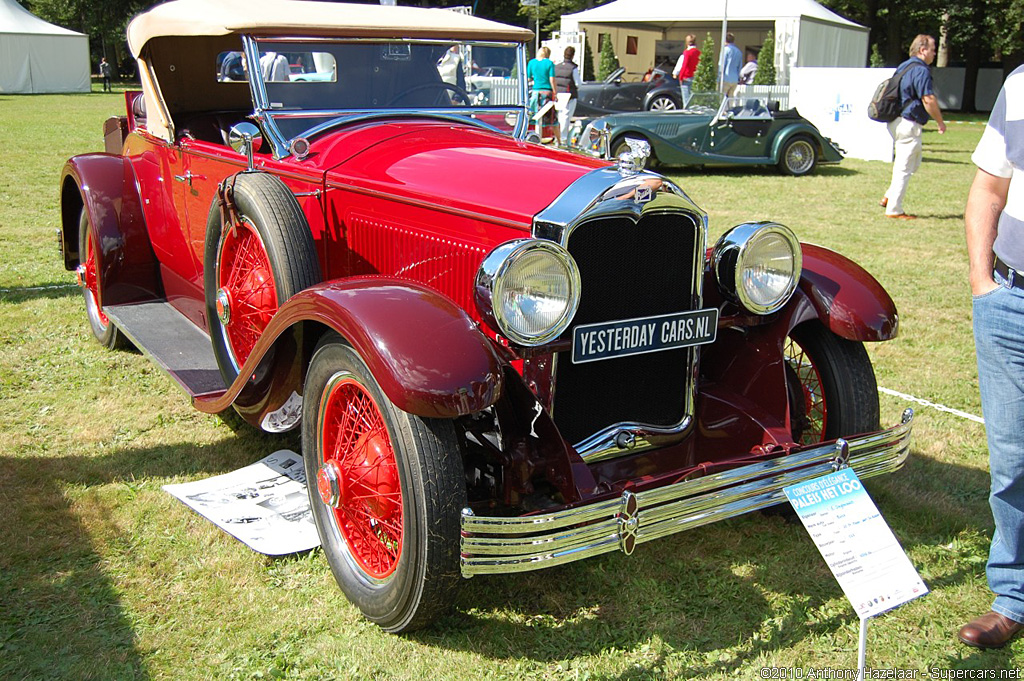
x=741, y=132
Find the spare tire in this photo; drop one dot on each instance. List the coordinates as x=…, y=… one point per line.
x=252, y=267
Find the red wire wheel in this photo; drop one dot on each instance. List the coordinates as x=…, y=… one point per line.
x=90, y=284
x=87, y=275
x=253, y=264
x=359, y=477
x=815, y=412
x=389, y=491
x=246, y=296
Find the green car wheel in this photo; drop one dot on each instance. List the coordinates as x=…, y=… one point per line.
x=798, y=157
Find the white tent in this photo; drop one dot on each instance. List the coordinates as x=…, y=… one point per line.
x=806, y=33
x=36, y=56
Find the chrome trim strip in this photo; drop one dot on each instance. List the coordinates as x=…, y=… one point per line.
x=492, y=545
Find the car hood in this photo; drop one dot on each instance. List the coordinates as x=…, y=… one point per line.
x=450, y=165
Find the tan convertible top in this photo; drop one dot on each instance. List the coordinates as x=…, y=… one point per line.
x=298, y=18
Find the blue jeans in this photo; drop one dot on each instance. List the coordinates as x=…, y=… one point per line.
x=999, y=340
x=685, y=87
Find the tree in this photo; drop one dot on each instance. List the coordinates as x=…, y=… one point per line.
x=588, y=61
x=765, y=74
x=609, y=62
x=706, y=77
x=876, y=60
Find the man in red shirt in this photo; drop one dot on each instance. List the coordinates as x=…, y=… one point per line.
x=686, y=66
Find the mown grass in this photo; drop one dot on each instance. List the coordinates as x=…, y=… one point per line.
x=103, y=575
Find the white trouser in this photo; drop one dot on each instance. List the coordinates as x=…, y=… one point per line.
x=566, y=109
x=906, y=135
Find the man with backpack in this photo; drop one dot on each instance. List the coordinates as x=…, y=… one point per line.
x=918, y=104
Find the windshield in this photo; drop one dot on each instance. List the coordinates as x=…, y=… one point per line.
x=305, y=86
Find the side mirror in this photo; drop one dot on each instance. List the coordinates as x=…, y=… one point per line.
x=245, y=138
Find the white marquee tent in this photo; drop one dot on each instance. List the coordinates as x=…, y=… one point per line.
x=806, y=33
x=36, y=56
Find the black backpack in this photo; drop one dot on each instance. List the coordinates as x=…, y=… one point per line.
x=887, y=105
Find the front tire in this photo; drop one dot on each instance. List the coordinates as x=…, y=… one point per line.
x=388, y=493
x=254, y=266
x=799, y=157
x=832, y=388
x=102, y=328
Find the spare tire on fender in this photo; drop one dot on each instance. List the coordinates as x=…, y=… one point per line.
x=253, y=266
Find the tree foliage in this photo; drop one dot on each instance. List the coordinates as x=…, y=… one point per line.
x=706, y=77
x=609, y=63
x=588, y=61
x=765, y=74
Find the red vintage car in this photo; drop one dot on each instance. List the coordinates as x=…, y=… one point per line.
x=502, y=357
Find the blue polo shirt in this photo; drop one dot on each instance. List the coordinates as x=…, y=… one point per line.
x=916, y=83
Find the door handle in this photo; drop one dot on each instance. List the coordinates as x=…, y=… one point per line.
x=188, y=177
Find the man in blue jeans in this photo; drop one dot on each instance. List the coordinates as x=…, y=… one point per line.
x=994, y=220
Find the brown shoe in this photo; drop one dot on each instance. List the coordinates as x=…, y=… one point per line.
x=901, y=216
x=991, y=630
x=884, y=202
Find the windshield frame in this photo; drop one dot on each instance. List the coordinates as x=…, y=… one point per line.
x=268, y=116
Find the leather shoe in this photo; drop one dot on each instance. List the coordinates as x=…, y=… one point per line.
x=991, y=630
x=884, y=202
x=901, y=216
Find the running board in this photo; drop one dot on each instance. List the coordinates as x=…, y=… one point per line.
x=178, y=346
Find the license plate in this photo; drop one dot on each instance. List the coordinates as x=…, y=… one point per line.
x=592, y=342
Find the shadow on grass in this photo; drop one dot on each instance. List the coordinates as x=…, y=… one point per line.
x=60, y=613
x=941, y=161
x=19, y=294
x=755, y=584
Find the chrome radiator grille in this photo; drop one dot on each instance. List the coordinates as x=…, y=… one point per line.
x=629, y=268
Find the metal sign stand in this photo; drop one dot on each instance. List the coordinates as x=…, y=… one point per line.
x=862, y=652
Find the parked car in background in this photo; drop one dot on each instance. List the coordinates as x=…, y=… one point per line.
x=502, y=357
x=741, y=131
x=619, y=93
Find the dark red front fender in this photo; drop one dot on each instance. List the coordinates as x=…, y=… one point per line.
x=427, y=354
x=841, y=293
x=105, y=185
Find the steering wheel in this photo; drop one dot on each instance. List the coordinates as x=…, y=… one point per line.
x=442, y=85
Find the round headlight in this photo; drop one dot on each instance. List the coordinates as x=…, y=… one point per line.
x=758, y=264
x=528, y=290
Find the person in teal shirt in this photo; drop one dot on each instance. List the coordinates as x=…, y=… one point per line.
x=541, y=73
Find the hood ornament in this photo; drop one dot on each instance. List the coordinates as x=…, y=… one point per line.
x=633, y=161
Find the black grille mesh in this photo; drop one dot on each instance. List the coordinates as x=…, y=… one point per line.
x=628, y=270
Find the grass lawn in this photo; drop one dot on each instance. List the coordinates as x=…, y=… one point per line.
x=105, y=576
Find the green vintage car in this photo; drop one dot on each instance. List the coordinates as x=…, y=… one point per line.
x=741, y=131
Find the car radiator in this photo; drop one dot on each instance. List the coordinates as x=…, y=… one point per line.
x=629, y=269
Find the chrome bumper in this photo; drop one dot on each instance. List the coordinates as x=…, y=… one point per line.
x=493, y=545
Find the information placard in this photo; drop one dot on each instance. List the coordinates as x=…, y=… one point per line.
x=264, y=505
x=856, y=543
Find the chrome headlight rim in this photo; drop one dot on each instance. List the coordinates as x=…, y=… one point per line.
x=730, y=260
x=492, y=276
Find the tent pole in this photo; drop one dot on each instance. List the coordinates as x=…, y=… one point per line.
x=721, y=51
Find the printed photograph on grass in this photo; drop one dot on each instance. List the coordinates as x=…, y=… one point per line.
x=103, y=575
